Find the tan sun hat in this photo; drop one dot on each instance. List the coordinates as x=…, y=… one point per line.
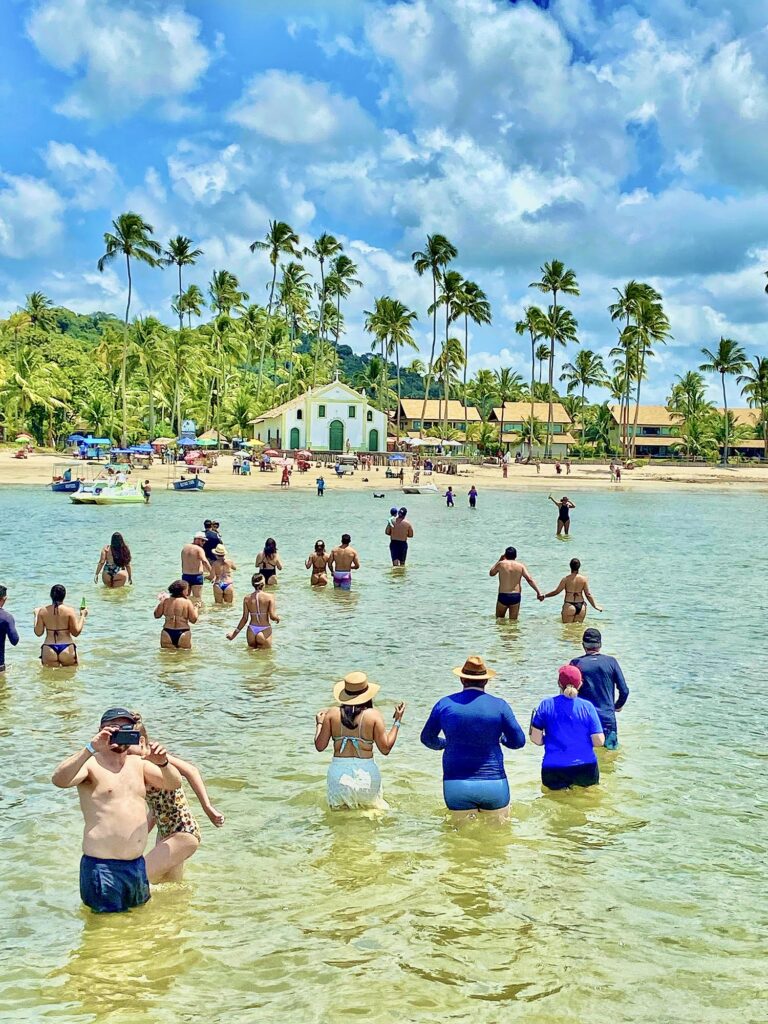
x=355, y=688
x=474, y=668
x=220, y=551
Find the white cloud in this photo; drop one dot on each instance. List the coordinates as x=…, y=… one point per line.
x=88, y=177
x=30, y=216
x=295, y=110
x=122, y=55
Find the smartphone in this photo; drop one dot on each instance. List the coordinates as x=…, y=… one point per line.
x=126, y=737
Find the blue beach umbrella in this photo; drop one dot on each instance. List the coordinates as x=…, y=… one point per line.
x=397, y=458
x=187, y=442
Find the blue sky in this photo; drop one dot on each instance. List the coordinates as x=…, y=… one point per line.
x=627, y=139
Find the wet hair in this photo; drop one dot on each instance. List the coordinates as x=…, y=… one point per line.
x=345, y=538
x=510, y=553
x=349, y=713
x=58, y=593
x=575, y=565
x=120, y=551
x=257, y=581
x=3, y=592
x=207, y=523
x=139, y=725
x=270, y=546
x=319, y=544
x=179, y=588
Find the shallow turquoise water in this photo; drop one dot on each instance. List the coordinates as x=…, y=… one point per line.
x=643, y=900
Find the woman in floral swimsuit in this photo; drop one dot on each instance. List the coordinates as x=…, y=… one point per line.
x=178, y=834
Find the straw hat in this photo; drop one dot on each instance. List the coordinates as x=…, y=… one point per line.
x=220, y=551
x=355, y=688
x=474, y=668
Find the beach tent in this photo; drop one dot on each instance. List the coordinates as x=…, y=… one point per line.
x=160, y=441
x=206, y=442
x=187, y=442
x=141, y=449
x=397, y=458
x=212, y=435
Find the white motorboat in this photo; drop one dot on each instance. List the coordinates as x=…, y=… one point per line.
x=105, y=492
x=420, y=489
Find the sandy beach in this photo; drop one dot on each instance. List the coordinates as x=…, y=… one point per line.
x=38, y=469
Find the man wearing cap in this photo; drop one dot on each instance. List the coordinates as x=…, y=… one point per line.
x=399, y=532
x=112, y=785
x=603, y=680
x=195, y=566
x=212, y=539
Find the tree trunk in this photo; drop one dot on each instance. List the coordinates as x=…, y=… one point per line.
x=272, y=288
x=548, y=445
x=466, y=361
x=432, y=353
x=727, y=425
x=641, y=371
x=533, y=381
x=397, y=416
x=124, y=362
x=181, y=311
x=583, y=413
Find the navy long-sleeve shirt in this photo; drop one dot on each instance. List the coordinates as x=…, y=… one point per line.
x=474, y=725
x=7, y=632
x=603, y=679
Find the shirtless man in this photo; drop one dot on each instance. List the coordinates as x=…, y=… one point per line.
x=112, y=787
x=511, y=573
x=341, y=561
x=399, y=534
x=194, y=567
x=577, y=593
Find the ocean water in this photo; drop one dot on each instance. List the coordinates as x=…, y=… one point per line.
x=642, y=900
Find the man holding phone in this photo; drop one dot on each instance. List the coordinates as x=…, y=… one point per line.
x=112, y=787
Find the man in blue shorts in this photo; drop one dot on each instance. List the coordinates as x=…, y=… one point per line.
x=195, y=567
x=604, y=684
x=511, y=573
x=112, y=784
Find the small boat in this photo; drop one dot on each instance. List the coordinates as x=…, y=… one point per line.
x=189, y=484
x=65, y=486
x=102, y=493
x=420, y=489
x=68, y=477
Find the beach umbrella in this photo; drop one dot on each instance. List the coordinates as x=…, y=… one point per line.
x=303, y=454
x=24, y=437
x=206, y=442
x=397, y=458
x=187, y=442
x=75, y=438
x=271, y=451
x=164, y=441
x=253, y=444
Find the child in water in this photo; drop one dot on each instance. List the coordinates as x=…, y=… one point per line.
x=472, y=492
x=449, y=497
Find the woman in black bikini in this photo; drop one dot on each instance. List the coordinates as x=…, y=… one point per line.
x=60, y=623
x=115, y=564
x=268, y=562
x=577, y=593
x=179, y=614
x=564, y=507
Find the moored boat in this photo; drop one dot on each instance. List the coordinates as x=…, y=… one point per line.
x=101, y=493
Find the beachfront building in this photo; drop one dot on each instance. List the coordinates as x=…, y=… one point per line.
x=333, y=417
x=658, y=431
x=435, y=415
x=518, y=413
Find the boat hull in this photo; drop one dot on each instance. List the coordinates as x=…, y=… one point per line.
x=420, y=489
x=188, y=485
x=65, y=486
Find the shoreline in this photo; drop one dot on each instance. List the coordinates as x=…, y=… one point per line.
x=38, y=470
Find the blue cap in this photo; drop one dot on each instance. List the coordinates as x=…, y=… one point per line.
x=393, y=510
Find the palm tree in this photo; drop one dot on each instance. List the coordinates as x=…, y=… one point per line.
x=179, y=253
x=39, y=309
x=340, y=282
x=31, y=385
x=131, y=238
x=754, y=387
x=447, y=365
x=597, y=430
x=183, y=363
x=449, y=296
x=294, y=295
x=481, y=392
x=555, y=277
x=542, y=356
x=727, y=360
x=190, y=302
x=471, y=303
x=324, y=248
x=280, y=239
x=390, y=323
x=533, y=323
x=586, y=371
x=376, y=382
x=149, y=337
x=532, y=432
x=508, y=388
x=435, y=256
x=651, y=326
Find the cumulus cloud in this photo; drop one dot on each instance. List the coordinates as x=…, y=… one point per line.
x=295, y=110
x=30, y=216
x=121, y=55
x=87, y=177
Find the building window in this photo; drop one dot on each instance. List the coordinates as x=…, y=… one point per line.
x=369, y=416
x=352, y=411
x=299, y=414
x=321, y=411
x=651, y=431
x=416, y=424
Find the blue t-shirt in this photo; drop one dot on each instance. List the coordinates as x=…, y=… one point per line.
x=473, y=725
x=7, y=632
x=568, y=724
x=602, y=678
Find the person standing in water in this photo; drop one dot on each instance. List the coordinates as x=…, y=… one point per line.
x=472, y=492
x=221, y=571
x=194, y=567
x=61, y=624
x=569, y=730
x=180, y=613
x=8, y=629
x=399, y=533
x=114, y=564
x=146, y=490
x=577, y=593
x=342, y=561
x=449, y=496
x=564, y=507
x=604, y=684
x=259, y=611
x=318, y=563
x=268, y=562
x=320, y=486
x=511, y=573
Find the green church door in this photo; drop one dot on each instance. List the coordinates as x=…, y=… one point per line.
x=294, y=437
x=336, y=436
x=373, y=441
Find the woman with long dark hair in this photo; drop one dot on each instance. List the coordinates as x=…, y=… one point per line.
x=355, y=728
x=268, y=562
x=259, y=612
x=318, y=563
x=61, y=624
x=179, y=613
x=114, y=564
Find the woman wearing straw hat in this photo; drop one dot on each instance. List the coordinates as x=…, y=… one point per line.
x=221, y=572
x=569, y=729
x=474, y=726
x=354, y=780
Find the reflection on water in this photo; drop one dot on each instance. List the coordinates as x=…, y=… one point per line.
x=641, y=901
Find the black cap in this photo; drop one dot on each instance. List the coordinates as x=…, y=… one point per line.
x=592, y=637
x=114, y=713
x=403, y=512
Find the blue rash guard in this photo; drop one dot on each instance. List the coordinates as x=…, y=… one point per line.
x=603, y=677
x=7, y=632
x=474, y=725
